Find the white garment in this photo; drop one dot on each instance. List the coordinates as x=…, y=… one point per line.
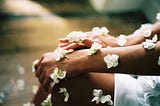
x=133, y=91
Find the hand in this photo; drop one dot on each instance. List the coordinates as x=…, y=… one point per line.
x=72, y=65
x=90, y=37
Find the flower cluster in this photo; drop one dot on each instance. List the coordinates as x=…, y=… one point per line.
x=158, y=16
x=146, y=29
x=100, y=98
x=61, y=53
x=121, y=40
x=95, y=46
x=111, y=60
x=57, y=75
x=47, y=101
x=66, y=94
x=150, y=44
x=75, y=36
x=100, y=31
x=35, y=62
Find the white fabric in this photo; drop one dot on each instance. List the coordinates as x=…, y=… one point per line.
x=136, y=91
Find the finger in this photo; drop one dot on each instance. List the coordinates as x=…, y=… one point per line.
x=38, y=72
x=46, y=83
x=88, y=42
x=38, y=64
x=41, y=77
x=63, y=40
x=72, y=46
x=63, y=44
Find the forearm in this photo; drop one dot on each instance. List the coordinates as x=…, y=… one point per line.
x=132, y=60
x=137, y=38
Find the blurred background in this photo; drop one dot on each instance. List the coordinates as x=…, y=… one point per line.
x=30, y=28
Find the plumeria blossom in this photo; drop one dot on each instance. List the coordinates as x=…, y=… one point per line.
x=146, y=29
x=35, y=62
x=61, y=53
x=111, y=60
x=159, y=60
x=100, y=98
x=19, y=85
x=75, y=36
x=66, y=94
x=121, y=40
x=20, y=69
x=158, y=16
x=47, y=101
x=57, y=75
x=150, y=44
x=95, y=46
x=100, y=31
x=28, y=104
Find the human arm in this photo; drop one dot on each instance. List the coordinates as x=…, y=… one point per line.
x=109, y=40
x=132, y=59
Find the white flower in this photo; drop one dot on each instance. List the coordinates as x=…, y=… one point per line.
x=146, y=29
x=158, y=16
x=35, y=89
x=100, y=98
x=19, y=85
x=75, y=36
x=155, y=38
x=28, y=104
x=35, y=62
x=20, y=69
x=121, y=40
x=66, y=94
x=61, y=53
x=159, y=60
x=95, y=46
x=148, y=44
x=100, y=31
x=47, y=101
x=57, y=75
x=111, y=60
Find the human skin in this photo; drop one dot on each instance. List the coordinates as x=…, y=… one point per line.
x=133, y=60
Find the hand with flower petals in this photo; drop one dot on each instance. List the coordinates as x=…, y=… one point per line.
x=88, y=39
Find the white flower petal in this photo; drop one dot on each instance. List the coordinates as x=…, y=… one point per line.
x=95, y=46
x=75, y=36
x=20, y=69
x=158, y=16
x=147, y=32
x=96, y=99
x=104, y=31
x=35, y=62
x=61, y=53
x=148, y=44
x=155, y=38
x=47, y=101
x=97, y=92
x=100, y=31
x=57, y=75
x=66, y=94
x=111, y=60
